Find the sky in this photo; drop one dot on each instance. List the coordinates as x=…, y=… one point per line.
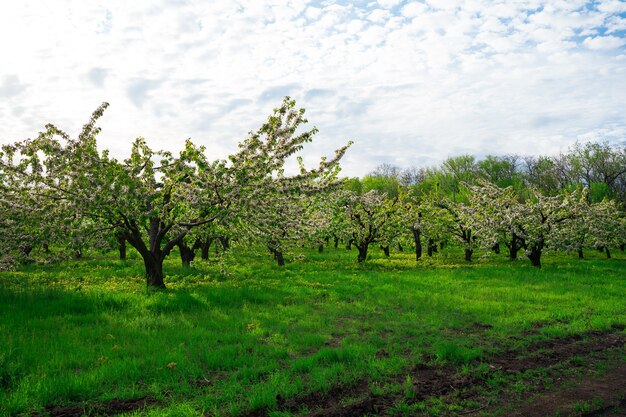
x=410, y=82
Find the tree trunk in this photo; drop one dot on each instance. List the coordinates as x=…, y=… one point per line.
x=400, y=248
x=622, y=247
x=154, y=272
x=385, y=250
x=468, y=254
x=534, y=253
x=279, y=258
x=432, y=247
x=78, y=253
x=513, y=249
x=121, y=246
x=418, y=243
x=186, y=254
x=205, y=245
x=336, y=242
x=26, y=250
x=581, y=255
x=276, y=253
x=362, y=252
x=349, y=244
x=152, y=254
x=608, y=252
x=225, y=242
x=496, y=248
x=535, y=257
x=320, y=248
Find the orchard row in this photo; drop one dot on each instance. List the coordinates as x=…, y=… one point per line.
x=60, y=195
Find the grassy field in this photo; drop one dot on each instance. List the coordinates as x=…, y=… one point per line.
x=320, y=336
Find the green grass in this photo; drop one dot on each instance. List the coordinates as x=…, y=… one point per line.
x=89, y=331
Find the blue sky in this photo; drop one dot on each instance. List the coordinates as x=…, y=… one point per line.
x=410, y=82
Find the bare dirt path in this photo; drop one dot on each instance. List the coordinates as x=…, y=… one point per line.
x=591, y=396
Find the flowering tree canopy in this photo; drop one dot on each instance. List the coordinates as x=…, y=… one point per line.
x=154, y=198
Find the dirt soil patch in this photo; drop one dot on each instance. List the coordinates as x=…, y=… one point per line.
x=604, y=396
x=441, y=381
x=107, y=408
x=551, y=352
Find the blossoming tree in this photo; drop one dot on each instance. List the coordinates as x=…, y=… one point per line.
x=153, y=198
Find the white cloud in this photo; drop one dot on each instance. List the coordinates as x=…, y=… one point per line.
x=11, y=86
x=388, y=4
x=410, y=82
x=612, y=6
x=413, y=9
x=604, y=42
x=313, y=12
x=379, y=16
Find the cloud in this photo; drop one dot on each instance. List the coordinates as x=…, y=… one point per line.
x=413, y=9
x=612, y=6
x=604, y=42
x=541, y=121
x=11, y=86
x=388, y=4
x=378, y=16
x=313, y=12
x=315, y=93
x=277, y=93
x=97, y=76
x=411, y=82
x=106, y=24
x=139, y=89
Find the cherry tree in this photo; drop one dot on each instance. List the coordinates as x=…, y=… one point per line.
x=435, y=222
x=319, y=222
x=463, y=229
x=576, y=233
x=26, y=224
x=13, y=236
x=536, y=223
x=497, y=217
x=607, y=225
x=597, y=225
x=153, y=198
x=338, y=225
x=278, y=223
x=539, y=219
x=370, y=217
x=426, y=220
x=202, y=237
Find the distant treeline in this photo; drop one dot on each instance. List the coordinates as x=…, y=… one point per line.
x=599, y=166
